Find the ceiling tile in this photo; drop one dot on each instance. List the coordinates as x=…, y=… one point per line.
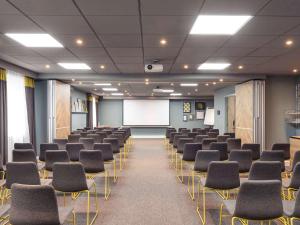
x=115, y=24
x=109, y=7
x=129, y=60
x=172, y=40
x=96, y=59
x=295, y=31
x=167, y=24
x=233, y=51
x=161, y=53
x=149, y=60
x=200, y=41
x=253, y=60
x=89, y=40
x=125, y=52
x=280, y=42
x=17, y=24
x=178, y=68
x=171, y=7
x=131, y=68
x=194, y=55
x=7, y=42
x=248, y=41
x=57, y=54
x=33, y=60
x=6, y=8
x=109, y=68
x=46, y=7
x=63, y=24
x=269, y=51
x=88, y=52
x=282, y=8
x=121, y=41
x=17, y=50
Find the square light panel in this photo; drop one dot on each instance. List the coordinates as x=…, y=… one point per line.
x=35, y=40
x=219, y=24
x=213, y=66
x=117, y=94
x=109, y=89
x=75, y=66
x=103, y=84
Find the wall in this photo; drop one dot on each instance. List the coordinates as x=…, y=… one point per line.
x=219, y=102
x=78, y=119
x=280, y=97
x=110, y=113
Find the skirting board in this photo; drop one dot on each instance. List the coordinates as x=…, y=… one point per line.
x=147, y=136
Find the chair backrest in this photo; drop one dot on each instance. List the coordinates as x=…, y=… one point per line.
x=176, y=138
x=296, y=210
x=119, y=137
x=190, y=151
x=114, y=144
x=214, y=130
x=23, y=155
x=46, y=146
x=285, y=147
x=106, y=149
x=273, y=156
x=22, y=173
x=185, y=131
x=192, y=135
x=169, y=131
x=172, y=135
x=221, y=147
x=296, y=159
x=181, y=142
x=61, y=143
x=55, y=156
x=255, y=148
x=259, y=200
x=23, y=146
x=199, y=138
x=262, y=170
x=73, y=138
x=107, y=131
x=181, y=129
x=69, y=177
x=92, y=161
x=223, y=175
x=295, y=179
x=83, y=134
x=232, y=135
x=96, y=137
x=88, y=143
x=206, y=142
x=243, y=157
x=39, y=199
x=234, y=143
x=202, y=131
x=204, y=158
x=222, y=138
x=212, y=134
x=73, y=150
x=102, y=135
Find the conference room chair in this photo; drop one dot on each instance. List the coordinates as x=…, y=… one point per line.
x=292, y=185
x=231, y=134
x=125, y=138
x=212, y=134
x=73, y=150
x=202, y=159
x=108, y=156
x=264, y=170
x=291, y=210
x=296, y=159
x=222, y=138
x=52, y=157
x=122, y=145
x=221, y=147
x=61, y=143
x=244, y=159
x=202, y=132
x=257, y=201
x=175, y=145
x=83, y=134
x=179, y=152
x=167, y=138
x=69, y=178
x=91, y=131
x=87, y=128
x=115, y=148
x=285, y=147
x=107, y=131
x=93, y=164
x=24, y=155
x=199, y=138
x=234, y=143
x=74, y=138
x=185, y=131
x=195, y=130
x=96, y=137
x=102, y=135
x=78, y=131
x=222, y=178
x=37, y=205
x=44, y=147
x=273, y=156
x=171, y=139
x=181, y=129
x=214, y=131
x=255, y=148
x=192, y=135
x=23, y=146
x=88, y=143
x=206, y=142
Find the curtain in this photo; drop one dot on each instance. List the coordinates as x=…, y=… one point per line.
x=30, y=104
x=89, y=122
x=3, y=117
x=18, y=130
x=94, y=112
x=97, y=111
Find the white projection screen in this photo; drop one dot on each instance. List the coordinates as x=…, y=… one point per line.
x=146, y=113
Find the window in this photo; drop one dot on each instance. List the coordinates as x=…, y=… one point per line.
x=16, y=110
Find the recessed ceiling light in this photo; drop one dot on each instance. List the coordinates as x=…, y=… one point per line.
x=175, y=94
x=240, y=67
x=207, y=84
x=125, y=91
x=147, y=80
x=117, y=94
x=103, y=84
x=109, y=89
x=79, y=41
x=167, y=90
x=219, y=25
x=213, y=66
x=75, y=66
x=289, y=42
x=147, y=83
x=189, y=93
x=188, y=84
x=73, y=80
x=196, y=90
x=35, y=40
x=186, y=66
x=102, y=67
x=214, y=83
x=295, y=70
x=119, y=84
x=47, y=66
x=172, y=84
x=163, y=41
x=95, y=89
x=79, y=82
x=152, y=94
x=221, y=80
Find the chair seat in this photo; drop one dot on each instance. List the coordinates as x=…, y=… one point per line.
x=64, y=213
x=288, y=207
x=46, y=181
x=4, y=209
x=230, y=205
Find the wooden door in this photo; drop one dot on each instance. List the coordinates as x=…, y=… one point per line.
x=230, y=115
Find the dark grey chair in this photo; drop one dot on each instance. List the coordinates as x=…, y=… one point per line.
x=243, y=157
x=285, y=147
x=206, y=142
x=234, y=143
x=262, y=170
x=202, y=131
x=232, y=135
x=192, y=135
x=185, y=131
x=273, y=156
x=176, y=138
x=120, y=137
x=221, y=147
x=74, y=138
x=181, y=142
x=214, y=131
x=169, y=131
x=114, y=144
x=24, y=155
x=73, y=150
x=23, y=146
x=222, y=138
x=61, y=143
x=199, y=138
x=258, y=201
x=55, y=156
x=296, y=159
x=255, y=148
x=107, y=131
x=88, y=143
x=291, y=209
x=204, y=158
x=46, y=146
x=96, y=137
x=190, y=150
x=172, y=135
x=36, y=205
x=102, y=135
x=293, y=184
x=212, y=134
x=83, y=134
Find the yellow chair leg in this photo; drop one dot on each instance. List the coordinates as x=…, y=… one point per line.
x=203, y=215
x=192, y=194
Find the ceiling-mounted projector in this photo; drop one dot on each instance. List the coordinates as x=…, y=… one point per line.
x=153, y=68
